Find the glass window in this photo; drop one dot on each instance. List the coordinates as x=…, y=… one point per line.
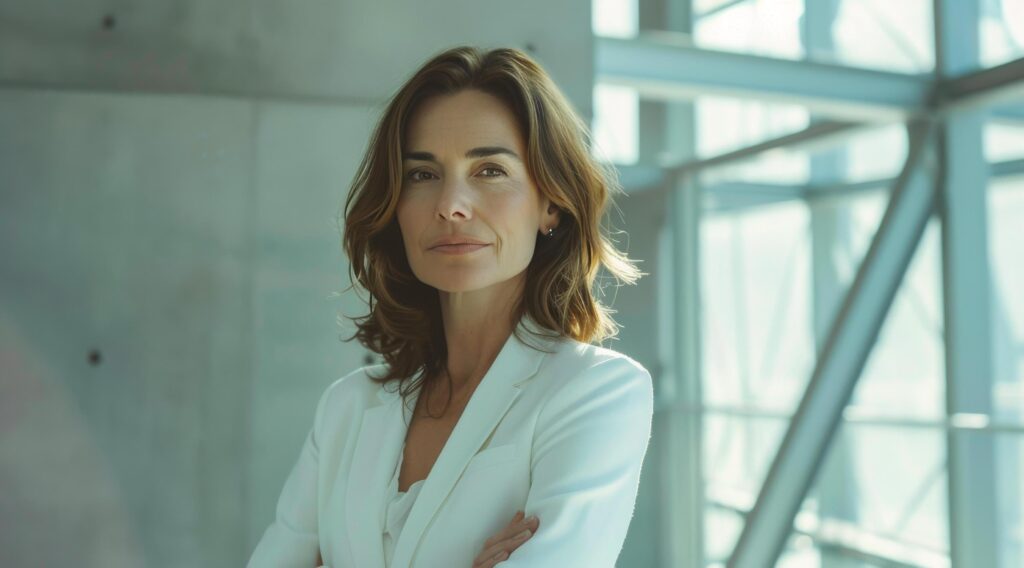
x=884, y=35
x=614, y=18
x=774, y=267
x=876, y=153
x=615, y=125
x=725, y=124
x=884, y=480
x=1001, y=30
x=737, y=453
x=705, y=6
x=758, y=344
x=762, y=27
x=1006, y=233
x=1004, y=141
x=1009, y=454
x=905, y=373
x=884, y=483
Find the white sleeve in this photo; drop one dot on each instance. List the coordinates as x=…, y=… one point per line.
x=292, y=539
x=590, y=442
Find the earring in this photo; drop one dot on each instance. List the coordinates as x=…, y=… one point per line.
x=551, y=232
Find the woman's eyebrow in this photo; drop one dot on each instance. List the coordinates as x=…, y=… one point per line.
x=481, y=152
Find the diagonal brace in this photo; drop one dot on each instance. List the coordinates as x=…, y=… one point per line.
x=842, y=358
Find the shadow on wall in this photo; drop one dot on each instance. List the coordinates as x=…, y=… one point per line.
x=58, y=495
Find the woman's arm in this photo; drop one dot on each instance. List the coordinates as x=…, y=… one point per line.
x=589, y=446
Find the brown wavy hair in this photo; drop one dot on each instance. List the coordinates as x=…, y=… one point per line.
x=404, y=322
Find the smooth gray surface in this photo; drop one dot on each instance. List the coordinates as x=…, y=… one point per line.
x=342, y=51
x=180, y=239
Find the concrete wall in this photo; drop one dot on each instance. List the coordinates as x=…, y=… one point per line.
x=170, y=174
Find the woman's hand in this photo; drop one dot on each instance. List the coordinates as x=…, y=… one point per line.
x=501, y=545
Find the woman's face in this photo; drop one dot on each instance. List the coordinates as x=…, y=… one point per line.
x=464, y=177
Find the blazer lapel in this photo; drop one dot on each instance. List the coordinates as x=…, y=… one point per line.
x=380, y=440
x=515, y=364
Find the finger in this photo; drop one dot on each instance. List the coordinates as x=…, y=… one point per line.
x=514, y=527
x=482, y=561
x=489, y=557
x=490, y=562
x=499, y=557
x=505, y=539
x=508, y=545
x=515, y=518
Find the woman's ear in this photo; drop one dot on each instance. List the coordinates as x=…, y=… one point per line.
x=552, y=216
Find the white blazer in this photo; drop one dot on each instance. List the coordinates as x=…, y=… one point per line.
x=560, y=435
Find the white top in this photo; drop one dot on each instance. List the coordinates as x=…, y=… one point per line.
x=575, y=420
x=396, y=509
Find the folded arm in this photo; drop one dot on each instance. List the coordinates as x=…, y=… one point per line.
x=590, y=442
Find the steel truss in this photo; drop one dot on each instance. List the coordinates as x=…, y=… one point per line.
x=944, y=174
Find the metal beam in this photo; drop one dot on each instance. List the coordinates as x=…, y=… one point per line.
x=681, y=522
x=685, y=210
x=974, y=535
x=732, y=195
x=1009, y=114
x=719, y=8
x=854, y=416
x=842, y=192
x=831, y=225
x=665, y=65
x=724, y=200
x=841, y=537
x=984, y=88
x=996, y=170
x=841, y=361
x=1006, y=169
x=818, y=134
x=780, y=192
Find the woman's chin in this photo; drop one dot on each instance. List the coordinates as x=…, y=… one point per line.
x=452, y=285
x=455, y=288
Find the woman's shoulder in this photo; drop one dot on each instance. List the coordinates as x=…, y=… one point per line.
x=583, y=375
x=356, y=388
x=588, y=358
x=577, y=370
x=357, y=383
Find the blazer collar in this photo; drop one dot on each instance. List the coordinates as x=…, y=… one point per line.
x=382, y=438
x=510, y=364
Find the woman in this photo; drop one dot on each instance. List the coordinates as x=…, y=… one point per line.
x=474, y=223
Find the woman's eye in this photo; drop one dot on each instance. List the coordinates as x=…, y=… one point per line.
x=412, y=176
x=501, y=171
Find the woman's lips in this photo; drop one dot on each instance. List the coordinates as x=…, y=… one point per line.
x=457, y=249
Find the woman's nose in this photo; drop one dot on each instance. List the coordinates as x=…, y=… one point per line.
x=455, y=200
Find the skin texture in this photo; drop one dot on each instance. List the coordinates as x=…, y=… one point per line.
x=490, y=199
